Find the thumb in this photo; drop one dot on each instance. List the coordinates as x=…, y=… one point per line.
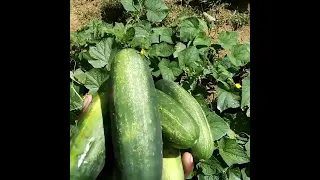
x=187, y=163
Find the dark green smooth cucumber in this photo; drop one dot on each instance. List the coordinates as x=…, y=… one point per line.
x=87, y=145
x=203, y=149
x=135, y=124
x=178, y=127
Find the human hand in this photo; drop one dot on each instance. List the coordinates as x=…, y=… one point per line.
x=187, y=158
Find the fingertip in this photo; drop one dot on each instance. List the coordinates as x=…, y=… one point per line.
x=187, y=162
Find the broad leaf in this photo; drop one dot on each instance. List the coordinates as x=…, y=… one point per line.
x=244, y=175
x=123, y=33
x=79, y=75
x=226, y=98
x=163, y=50
x=101, y=53
x=166, y=72
x=231, y=152
x=221, y=73
x=174, y=66
x=169, y=70
x=142, y=37
x=211, y=177
x=94, y=79
x=228, y=39
x=240, y=55
x=75, y=98
x=156, y=10
x=178, y=47
x=162, y=34
x=210, y=167
x=91, y=33
x=202, y=39
x=189, y=58
x=131, y=5
x=245, y=101
x=220, y=176
x=247, y=146
x=218, y=126
x=234, y=174
x=189, y=28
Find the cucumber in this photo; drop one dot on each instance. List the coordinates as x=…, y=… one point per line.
x=204, y=147
x=135, y=124
x=87, y=145
x=172, y=164
x=178, y=127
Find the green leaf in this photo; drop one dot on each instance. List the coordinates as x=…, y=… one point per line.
x=91, y=33
x=189, y=28
x=244, y=174
x=156, y=10
x=169, y=71
x=231, y=152
x=178, y=48
x=123, y=33
x=131, y=5
x=166, y=72
x=218, y=126
x=226, y=98
x=75, y=98
x=79, y=75
x=228, y=39
x=220, y=72
x=95, y=78
x=210, y=167
x=202, y=39
x=142, y=37
x=101, y=53
x=163, y=50
x=156, y=73
x=239, y=56
x=247, y=146
x=162, y=34
x=221, y=176
x=174, y=66
x=245, y=101
x=203, y=26
x=234, y=174
x=193, y=173
x=189, y=58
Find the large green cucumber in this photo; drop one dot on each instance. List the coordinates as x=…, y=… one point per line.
x=135, y=124
x=172, y=164
x=87, y=145
x=178, y=127
x=203, y=149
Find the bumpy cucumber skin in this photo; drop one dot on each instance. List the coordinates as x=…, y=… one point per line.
x=178, y=127
x=204, y=147
x=172, y=164
x=87, y=145
x=135, y=124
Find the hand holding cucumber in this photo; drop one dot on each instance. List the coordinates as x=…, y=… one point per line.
x=187, y=158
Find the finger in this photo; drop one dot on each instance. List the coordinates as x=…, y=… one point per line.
x=187, y=163
x=87, y=100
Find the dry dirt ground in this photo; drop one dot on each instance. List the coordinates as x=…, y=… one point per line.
x=83, y=11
